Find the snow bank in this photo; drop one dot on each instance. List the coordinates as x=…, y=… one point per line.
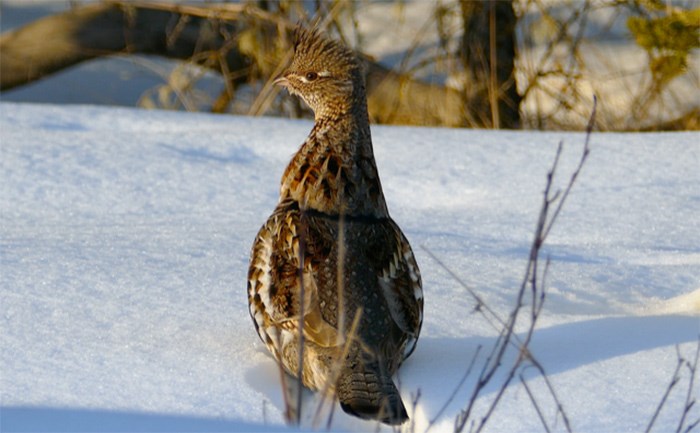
x=124, y=242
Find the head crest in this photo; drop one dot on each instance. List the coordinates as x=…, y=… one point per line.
x=313, y=44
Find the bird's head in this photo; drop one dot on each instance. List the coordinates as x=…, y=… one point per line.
x=324, y=73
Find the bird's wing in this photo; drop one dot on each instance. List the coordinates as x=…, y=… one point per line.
x=400, y=280
x=274, y=287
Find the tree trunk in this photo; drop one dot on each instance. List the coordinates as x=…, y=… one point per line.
x=488, y=55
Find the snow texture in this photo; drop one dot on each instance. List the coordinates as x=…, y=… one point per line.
x=124, y=244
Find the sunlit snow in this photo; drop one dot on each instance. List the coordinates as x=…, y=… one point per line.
x=124, y=244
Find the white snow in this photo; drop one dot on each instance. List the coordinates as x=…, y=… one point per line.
x=124, y=243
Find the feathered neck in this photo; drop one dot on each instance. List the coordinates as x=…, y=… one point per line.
x=334, y=171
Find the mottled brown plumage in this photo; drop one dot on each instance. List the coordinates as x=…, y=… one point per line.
x=332, y=228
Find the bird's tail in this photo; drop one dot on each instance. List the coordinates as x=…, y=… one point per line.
x=367, y=391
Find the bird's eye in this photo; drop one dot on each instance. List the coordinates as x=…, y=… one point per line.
x=311, y=76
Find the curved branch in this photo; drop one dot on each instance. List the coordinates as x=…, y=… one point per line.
x=240, y=42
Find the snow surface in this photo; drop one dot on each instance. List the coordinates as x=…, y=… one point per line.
x=124, y=244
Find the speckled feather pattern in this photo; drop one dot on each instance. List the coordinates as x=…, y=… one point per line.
x=332, y=234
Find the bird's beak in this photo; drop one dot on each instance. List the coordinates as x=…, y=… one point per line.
x=281, y=81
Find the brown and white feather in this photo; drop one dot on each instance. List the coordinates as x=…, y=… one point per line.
x=332, y=227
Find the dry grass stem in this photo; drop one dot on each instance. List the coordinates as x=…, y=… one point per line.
x=507, y=337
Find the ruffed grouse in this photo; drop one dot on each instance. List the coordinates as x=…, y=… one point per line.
x=332, y=239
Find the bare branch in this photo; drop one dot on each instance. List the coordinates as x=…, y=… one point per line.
x=302, y=317
x=689, y=398
x=507, y=336
x=534, y=404
x=574, y=175
x=467, y=373
x=675, y=378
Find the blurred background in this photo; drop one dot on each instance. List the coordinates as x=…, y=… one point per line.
x=530, y=64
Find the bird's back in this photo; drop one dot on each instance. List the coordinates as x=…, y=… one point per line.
x=355, y=272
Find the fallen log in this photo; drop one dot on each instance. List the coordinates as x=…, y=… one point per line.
x=239, y=41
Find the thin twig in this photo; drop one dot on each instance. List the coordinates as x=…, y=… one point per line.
x=467, y=373
x=340, y=281
x=350, y=338
x=481, y=304
x=493, y=91
x=302, y=317
x=574, y=175
x=507, y=336
x=534, y=403
x=675, y=378
x=550, y=388
x=689, y=399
